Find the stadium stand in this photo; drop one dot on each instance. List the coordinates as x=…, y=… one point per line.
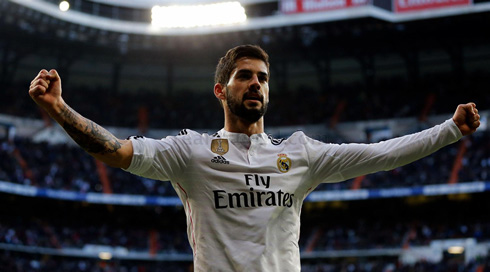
x=349, y=79
x=70, y=168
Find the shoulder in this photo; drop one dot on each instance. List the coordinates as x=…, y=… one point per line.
x=192, y=138
x=298, y=137
x=183, y=135
x=275, y=141
x=190, y=133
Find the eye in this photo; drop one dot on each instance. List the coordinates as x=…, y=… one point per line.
x=263, y=78
x=243, y=75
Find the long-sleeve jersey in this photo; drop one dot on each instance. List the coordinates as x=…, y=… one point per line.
x=243, y=195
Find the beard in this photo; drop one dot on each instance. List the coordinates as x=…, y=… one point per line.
x=238, y=107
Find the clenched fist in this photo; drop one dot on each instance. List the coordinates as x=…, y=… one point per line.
x=467, y=118
x=45, y=90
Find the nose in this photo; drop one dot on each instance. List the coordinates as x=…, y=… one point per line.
x=255, y=83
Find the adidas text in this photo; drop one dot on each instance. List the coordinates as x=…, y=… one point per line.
x=220, y=159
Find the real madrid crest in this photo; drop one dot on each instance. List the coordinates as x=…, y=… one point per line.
x=220, y=146
x=283, y=163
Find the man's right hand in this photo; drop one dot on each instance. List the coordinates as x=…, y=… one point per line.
x=45, y=90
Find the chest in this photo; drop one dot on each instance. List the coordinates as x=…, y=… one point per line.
x=249, y=166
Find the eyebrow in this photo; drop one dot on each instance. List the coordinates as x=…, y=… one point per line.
x=250, y=71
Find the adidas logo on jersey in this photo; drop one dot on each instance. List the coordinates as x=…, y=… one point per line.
x=220, y=159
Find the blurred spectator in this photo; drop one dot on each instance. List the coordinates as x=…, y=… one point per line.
x=70, y=168
x=363, y=233
x=198, y=109
x=50, y=233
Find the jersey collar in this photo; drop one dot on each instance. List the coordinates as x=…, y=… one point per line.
x=242, y=137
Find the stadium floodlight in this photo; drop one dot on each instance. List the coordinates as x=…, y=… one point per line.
x=105, y=255
x=189, y=16
x=64, y=5
x=455, y=250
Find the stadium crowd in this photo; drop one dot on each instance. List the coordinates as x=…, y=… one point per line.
x=69, y=168
x=389, y=98
x=380, y=265
x=403, y=233
x=52, y=166
x=21, y=262
x=323, y=235
x=52, y=233
x=66, y=167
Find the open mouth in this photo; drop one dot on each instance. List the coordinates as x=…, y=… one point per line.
x=253, y=98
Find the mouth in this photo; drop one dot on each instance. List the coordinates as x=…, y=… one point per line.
x=253, y=98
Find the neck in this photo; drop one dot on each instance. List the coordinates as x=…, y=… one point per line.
x=235, y=124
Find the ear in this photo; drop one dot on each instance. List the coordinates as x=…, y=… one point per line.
x=219, y=91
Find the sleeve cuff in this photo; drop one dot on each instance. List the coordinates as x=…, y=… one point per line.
x=454, y=128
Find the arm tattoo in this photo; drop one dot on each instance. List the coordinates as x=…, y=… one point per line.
x=90, y=136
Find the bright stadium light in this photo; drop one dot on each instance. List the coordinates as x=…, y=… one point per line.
x=105, y=255
x=188, y=16
x=64, y=5
x=455, y=250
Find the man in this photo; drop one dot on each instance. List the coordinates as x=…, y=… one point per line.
x=243, y=190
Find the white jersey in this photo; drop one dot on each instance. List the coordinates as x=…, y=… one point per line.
x=243, y=195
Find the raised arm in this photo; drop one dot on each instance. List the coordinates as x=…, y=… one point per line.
x=45, y=90
x=333, y=163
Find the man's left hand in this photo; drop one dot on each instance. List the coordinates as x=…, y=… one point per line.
x=467, y=118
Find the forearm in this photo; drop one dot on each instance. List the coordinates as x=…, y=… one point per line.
x=93, y=138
